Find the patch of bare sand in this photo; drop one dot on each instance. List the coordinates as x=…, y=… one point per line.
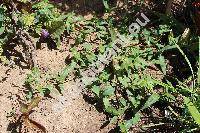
x=11, y=83
x=61, y=114
x=69, y=113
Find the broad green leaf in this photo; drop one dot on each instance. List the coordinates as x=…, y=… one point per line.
x=112, y=111
x=24, y=108
x=123, y=101
x=96, y=90
x=109, y=108
x=2, y=28
x=133, y=121
x=106, y=102
x=34, y=103
x=28, y=19
x=105, y=3
x=125, y=126
x=109, y=91
x=192, y=109
x=62, y=76
x=124, y=81
x=151, y=100
x=134, y=101
x=114, y=120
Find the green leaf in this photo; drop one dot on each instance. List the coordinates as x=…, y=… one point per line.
x=123, y=101
x=63, y=75
x=49, y=87
x=134, y=101
x=151, y=100
x=106, y=102
x=163, y=64
x=109, y=91
x=109, y=108
x=105, y=3
x=125, y=126
x=114, y=120
x=112, y=111
x=133, y=121
x=192, y=109
x=34, y=103
x=124, y=81
x=24, y=108
x=2, y=27
x=96, y=90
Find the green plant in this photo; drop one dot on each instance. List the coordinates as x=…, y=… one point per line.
x=124, y=86
x=26, y=110
x=41, y=83
x=127, y=85
x=32, y=23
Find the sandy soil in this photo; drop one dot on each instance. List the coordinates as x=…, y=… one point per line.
x=67, y=113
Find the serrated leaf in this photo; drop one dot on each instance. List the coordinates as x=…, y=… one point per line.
x=133, y=121
x=109, y=108
x=28, y=19
x=125, y=126
x=124, y=81
x=151, y=100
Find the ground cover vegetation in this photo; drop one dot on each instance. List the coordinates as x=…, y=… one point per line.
x=150, y=84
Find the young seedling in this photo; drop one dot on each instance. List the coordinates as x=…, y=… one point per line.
x=26, y=110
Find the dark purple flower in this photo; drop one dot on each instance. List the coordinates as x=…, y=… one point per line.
x=44, y=33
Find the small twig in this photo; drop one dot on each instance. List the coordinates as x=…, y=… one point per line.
x=155, y=125
x=176, y=114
